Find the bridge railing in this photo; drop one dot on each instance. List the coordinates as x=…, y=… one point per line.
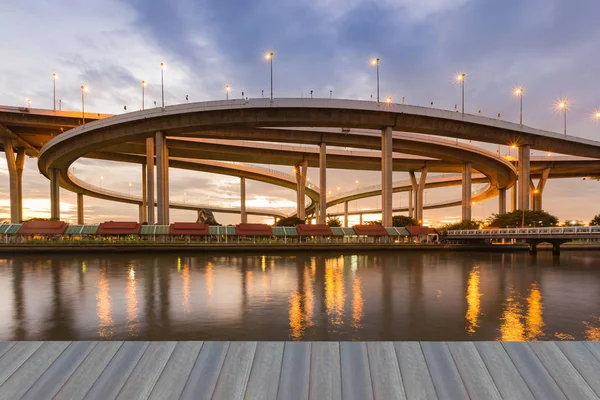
x=548, y=231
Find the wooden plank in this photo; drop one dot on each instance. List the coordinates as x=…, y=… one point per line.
x=80, y=382
x=295, y=371
x=140, y=383
x=5, y=346
x=236, y=371
x=594, y=347
x=507, y=378
x=176, y=372
x=356, y=375
x=473, y=372
x=15, y=357
x=112, y=379
x=446, y=379
x=264, y=376
x=414, y=372
x=23, y=378
x=533, y=372
x=564, y=373
x=584, y=361
x=325, y=372
x=385, y=372
x=57, y=374
x=203, y=378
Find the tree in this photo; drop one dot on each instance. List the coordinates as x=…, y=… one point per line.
x=570, y=222
x=403, y=220
x=464, y=224
x=516, y=218
x=373, y=222
x=595, y=221
x=290, y=221
x=334, y=221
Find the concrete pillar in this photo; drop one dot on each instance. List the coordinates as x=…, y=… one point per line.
x=501, y=201
x=466, y=191
x=141, y=213
x=20, y=164
x=144, y=205
x=13, y=180
x=80, y=215
x=150, y=179
x=360, y=220
x=243, y=215
x=345, y=214
x=162, y=179
x=54, y=195
x=386, y=177
x=421, y=195
x=300, y=171
x=524, y=177
x=537, y=192
x=513, y=197
x=410, y=204
x=322, y=183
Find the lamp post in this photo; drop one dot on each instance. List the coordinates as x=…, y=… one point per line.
x=143, y=95
x=83, y=90
x=563, y=105
x=375, y=62
x=162, y=83
x=227, y=89
x=269, y=56
x=28, y=103
x=461, y=78
x=54, y=77
x=519, y=92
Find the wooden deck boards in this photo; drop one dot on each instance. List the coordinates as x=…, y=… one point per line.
x=301, y=370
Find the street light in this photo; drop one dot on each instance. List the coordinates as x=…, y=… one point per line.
x=28, y=102
x=227, y=89
x=83, y=90
x=54, y=77
x=375, y=62
x=162, y=83
x=389, y=100
x=563, y=105
x=269, y=56
x=461, y=78
x=597, y=114
x=519, y=92
x=143, y=95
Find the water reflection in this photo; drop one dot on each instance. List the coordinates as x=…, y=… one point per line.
x=394, y=296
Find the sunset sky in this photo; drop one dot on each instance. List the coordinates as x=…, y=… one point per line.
x=319, y=45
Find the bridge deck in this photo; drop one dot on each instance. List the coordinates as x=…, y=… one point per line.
x=299, y=370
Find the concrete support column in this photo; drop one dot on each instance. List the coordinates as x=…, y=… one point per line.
x=144, y=205
x=13, y=180
x=513, y=197
x=524, y=177
x=243, y=215
x=360, y=220
x=410, y=204
x=54, y=195
x=80, y=215
x=386, y=177
x=20, y=164
x=322, y=183
x=501, y=201
x=141, y=213
x=466, y=191
x=537, y=192
x=150, y=179
x=300, y=171
x=345, y=214
x=421, y=195
x=162, y=179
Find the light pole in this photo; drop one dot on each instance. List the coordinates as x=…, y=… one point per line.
x=519, y=92
x=54, y=77
x=461, y=78
x=83, y=90
x=227, y=89
x=143, y=95
x=269, y=56
x=162, y=83
x=375, y=62
x=563, y=105
x=28, y=103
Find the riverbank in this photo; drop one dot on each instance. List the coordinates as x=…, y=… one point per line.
x=41, y=248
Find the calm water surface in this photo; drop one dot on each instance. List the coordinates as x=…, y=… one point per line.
x=329, y=296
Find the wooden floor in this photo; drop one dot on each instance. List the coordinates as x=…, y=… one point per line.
x=299, y=370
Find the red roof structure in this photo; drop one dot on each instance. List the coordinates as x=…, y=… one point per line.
x=314, y=230
x=42, y=228
x=420, y=230
x=253, y=230
x=188, y=228
x=118, y=228
x=370, y=230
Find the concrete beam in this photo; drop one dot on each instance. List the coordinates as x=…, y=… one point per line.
x=150, y=179
x=54, y=195
x=466, y=191
x=243, y=215
x=524, y=177
x=80, y=215
x=7, y=133
x=386, y=176
x=322, y=183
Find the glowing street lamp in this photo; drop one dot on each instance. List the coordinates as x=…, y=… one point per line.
x=269, y=56
x=28, y=102
x=162, y=83
x=388, y=100
x=227, y=89
x=563, y=105
x=375, y=62
x=461, y=78
x=519, y=92
x=54, y=78
x=83, y=90
x=143, y=95
x=597, y=115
